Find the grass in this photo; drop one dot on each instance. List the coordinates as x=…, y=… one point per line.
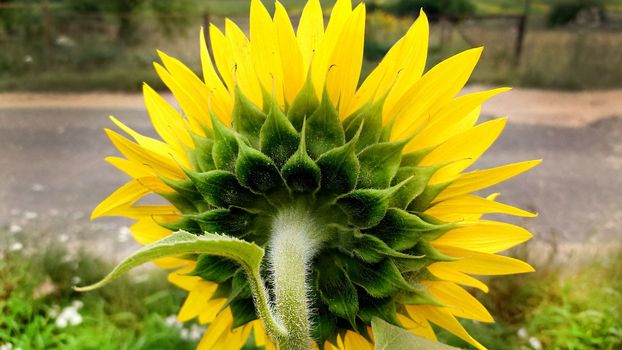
x=129, y=315
x=555, y=307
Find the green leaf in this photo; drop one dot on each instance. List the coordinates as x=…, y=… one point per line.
x=248, y=255
x=336, y=290
x=304, y=104
x=247, y=118
x=390, y=337
x=324, y=129
x=300, y=171
x=255, y=170
x=384, y=308
x=278, y=138
x=225, y=148
x=379, y=164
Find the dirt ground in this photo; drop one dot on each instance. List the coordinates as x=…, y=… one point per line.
x=53, y=174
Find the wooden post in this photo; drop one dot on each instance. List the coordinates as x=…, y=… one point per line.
x=520, y=35
x=46, y=28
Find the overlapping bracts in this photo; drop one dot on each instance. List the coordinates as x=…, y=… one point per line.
x=278, y=121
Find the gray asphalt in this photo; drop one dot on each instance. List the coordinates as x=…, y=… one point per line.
x=53, y=174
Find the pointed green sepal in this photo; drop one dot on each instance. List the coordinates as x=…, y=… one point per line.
x=421, y=175
x=278, y=138
x=184, y=224
x=233, y=221
x=304, y=104
x=424, y=200
x=300, y=171
x=243, y=312
x=336, y=290
x=339, y=168
x=324, y=129
x=379, y=280
x=402, y=230
x=202, y=153
x=225, y=148
x=255, y=170
x=379, y=164
x=366, y=207
x=221, y=189
x=370, y=117
x=247, y=118
x=383, y=308
x=372, y=249
x=215, y=268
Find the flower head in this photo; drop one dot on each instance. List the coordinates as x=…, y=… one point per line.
x=277, y=128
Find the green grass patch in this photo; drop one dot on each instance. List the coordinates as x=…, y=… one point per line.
x=130, y=314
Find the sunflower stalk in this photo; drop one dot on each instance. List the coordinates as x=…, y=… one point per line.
x=294, y=242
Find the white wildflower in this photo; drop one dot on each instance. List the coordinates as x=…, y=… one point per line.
x=124, y=234
x=70, y=316
x=14, y=228
x=29, y=215
x=535, y=343
x=16, y=246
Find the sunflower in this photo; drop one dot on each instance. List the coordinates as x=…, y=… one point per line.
x=357, y=192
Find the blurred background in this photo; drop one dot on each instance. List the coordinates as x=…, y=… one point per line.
x=65, y=65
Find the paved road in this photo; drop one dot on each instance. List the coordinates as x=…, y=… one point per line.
x=53, y=173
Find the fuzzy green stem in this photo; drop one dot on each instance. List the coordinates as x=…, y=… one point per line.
x=261, y=304
x=292, y=246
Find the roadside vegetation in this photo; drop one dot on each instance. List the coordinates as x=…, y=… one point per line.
x=93, y=45
x=561, y=306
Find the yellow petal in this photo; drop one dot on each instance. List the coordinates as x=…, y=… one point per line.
x=223, y=56
x=310, y=31
x=346, y=61
x=321, y=60
x=412, y=59
x=213, y=82
x=197, y=299
x=158, y=212
x=129, y=167
x=454, y=117
x=442, y=318
x=293, y=69
x=401, y=67
x=463, y=150
x=216, y=331
x=484, y=236
x=168, y=123
x=266, y=55
x=480, y=179
x=210, y=310
x=417, y=325
x=162, y=165
x=123, y=196
x=235, y=338
x=197, y=89
x=458, y=301
x=181, y=279
x=170, y=263
x=450, y=274
x=465, y=206
x=478, y=263
x=437, y=86
x=353, y=340
x=196, y=112
x=244, y=71
x=146, y=231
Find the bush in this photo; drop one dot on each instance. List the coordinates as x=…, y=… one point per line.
x=591, y=12
x=433, y=8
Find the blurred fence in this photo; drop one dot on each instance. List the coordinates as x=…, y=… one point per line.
x=45, y=45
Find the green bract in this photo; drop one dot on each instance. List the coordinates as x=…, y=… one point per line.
x=370, y=243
